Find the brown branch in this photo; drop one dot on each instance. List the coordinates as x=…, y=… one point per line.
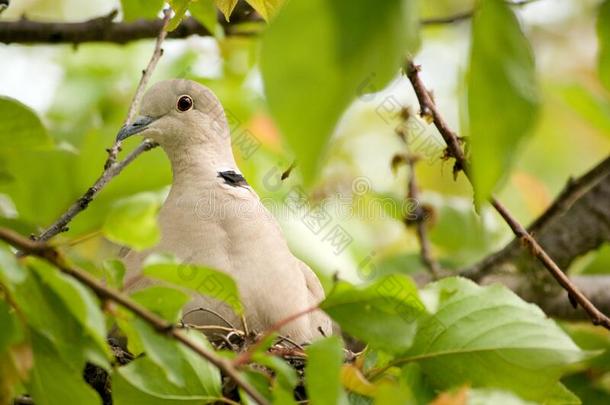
x=111, y=166
x=421, y=213
x=161, y=326
x=463, y=16
x=103, y=29
x=577, y=222
x=420, y=224
x=454, y=150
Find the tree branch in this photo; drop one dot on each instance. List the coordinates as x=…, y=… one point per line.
x=428, y=108
x=577, y=222
x=103, y=29
x=52, y=256
x=466, y=15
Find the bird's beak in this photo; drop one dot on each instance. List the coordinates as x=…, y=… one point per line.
x=140, y=124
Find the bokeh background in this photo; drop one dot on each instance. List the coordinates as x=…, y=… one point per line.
x=80, y=95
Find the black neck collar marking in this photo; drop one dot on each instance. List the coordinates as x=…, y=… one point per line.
x=233, y=178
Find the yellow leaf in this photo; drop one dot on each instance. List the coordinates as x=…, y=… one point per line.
x=353, y=380
x=226, y=6
x=266, y=8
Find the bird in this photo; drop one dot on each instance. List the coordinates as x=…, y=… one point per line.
x=213, y=217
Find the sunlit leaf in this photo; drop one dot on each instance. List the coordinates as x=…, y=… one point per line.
x=383, y=314
x=141, y=9
x=203, y=280
x=226, y=6
x=11, y=330
x=133, y=221
x=204, y=11
x=358, y=49
x=20, y=127
x=54, y=381
x=78, y=300
x=323, y=383
x=266, y=8
x=166, y=302
x=180, y=7
x=114, y=272
x=489, y=337
x=143, y=381
x=162, y=350
x=502, y=93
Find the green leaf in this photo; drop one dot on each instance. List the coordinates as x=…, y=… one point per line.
x=324, y=361
x=162, y=350
x=53, y=381
x=226, y=6
x=133, y=221
x=179, y=7
x=383, y=313
x=489, y=337
x=266, y=8
x=141, y=9
x=114, y=273
x=10, y=332
x=166, y=302
x=20, y=127
x=10, y=271
x=47, y=312
x=358, y=49
x=205, y=12
x=286, y=375
x=502, y=93
x=143, y=381
x=201, y=279
x=561, y=395
x=83, y=305
x=33, y=173
x=603, y=36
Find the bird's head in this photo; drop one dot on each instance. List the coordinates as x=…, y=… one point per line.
x=180, y=114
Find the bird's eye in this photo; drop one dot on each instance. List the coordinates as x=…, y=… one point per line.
x=185, y=103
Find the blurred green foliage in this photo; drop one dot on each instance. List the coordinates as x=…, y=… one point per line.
x=321, y=86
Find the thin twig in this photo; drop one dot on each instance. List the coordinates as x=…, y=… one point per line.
x=244, y=357
x=137, y=97
x=463, y=16
x=210, y=311
x=454, y=149
x=160, y=325
x=420, y=222
x=60, y=225
x=111, y=166
x=574, y=190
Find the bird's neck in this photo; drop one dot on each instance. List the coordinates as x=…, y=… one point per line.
x=198, y=165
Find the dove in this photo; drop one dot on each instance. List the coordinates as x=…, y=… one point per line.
x=213, y=217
